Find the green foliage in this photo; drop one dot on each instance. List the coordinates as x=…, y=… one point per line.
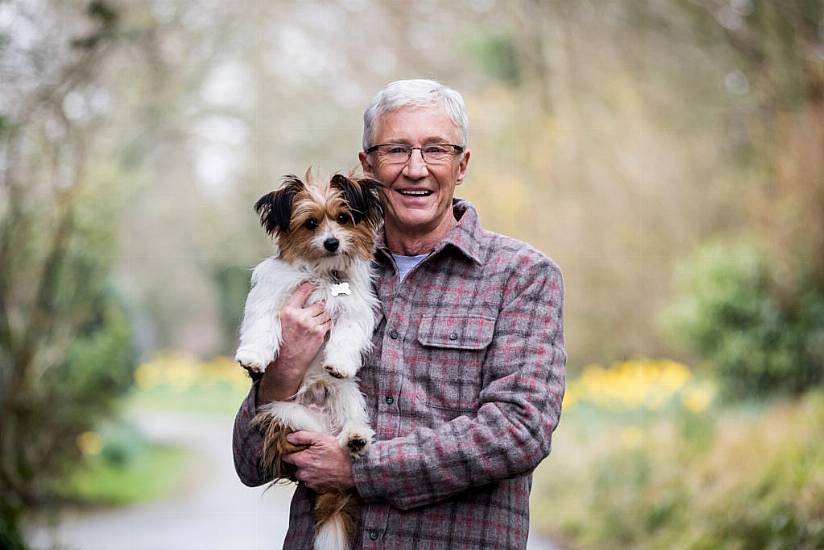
x=65, y=342
x=10, y=536
x=759, y=339
x=98, y=366
x=752, y=481
x=5, y=123
x=45, y=419
x=157, y=473
x=124, y=470
x=496, y=55
x=231, y=285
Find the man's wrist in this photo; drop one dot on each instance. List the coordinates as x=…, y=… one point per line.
x=278, y=384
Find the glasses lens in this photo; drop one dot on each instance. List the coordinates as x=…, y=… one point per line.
x=394, y=154
x=437, y=153
x=398, y=153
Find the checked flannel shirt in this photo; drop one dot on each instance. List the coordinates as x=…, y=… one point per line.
x=464, y=388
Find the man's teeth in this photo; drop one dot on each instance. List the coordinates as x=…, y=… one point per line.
x=420, y=193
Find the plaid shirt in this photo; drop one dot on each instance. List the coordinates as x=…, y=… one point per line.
x=464, y=388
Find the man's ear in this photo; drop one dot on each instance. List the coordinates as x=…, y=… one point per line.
x=364, y=162
x=275, y=208
x=362, y=196
x=462, y=166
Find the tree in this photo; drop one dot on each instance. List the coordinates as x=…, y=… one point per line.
x=757, y=315
x=65, y=343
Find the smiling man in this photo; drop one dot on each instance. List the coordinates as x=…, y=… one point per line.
x=420, y=179
x=466, y=377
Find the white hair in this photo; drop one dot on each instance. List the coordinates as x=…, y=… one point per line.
x=419, y=93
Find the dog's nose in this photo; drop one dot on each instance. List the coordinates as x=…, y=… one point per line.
x=331, y=244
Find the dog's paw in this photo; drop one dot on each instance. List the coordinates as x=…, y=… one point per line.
x=357, y=440
x=357, y=444
x=338, y=371
x=251, y=360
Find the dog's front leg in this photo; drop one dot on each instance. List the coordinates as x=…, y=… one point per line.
x=350, y=407
x=348, y=341
x=260, y=332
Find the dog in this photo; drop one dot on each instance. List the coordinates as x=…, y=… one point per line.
x=325, y=233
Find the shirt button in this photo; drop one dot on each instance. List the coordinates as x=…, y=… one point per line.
x=373, y=534
x=389, y=399
x=393, y=334
x=453, y=336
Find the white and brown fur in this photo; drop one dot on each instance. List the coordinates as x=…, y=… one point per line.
x=305, y=218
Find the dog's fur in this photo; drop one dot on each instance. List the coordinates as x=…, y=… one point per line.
x=304, y=218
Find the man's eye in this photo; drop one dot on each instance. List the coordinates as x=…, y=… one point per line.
x=311, y=223
x=436, y=150
x=397, y=150
x=343, y=219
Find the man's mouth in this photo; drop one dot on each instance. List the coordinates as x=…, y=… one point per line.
x=415, y=192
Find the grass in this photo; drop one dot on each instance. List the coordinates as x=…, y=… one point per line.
x=119, y=466
x=155, y=473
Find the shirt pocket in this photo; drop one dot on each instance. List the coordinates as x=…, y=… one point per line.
x=453, y=348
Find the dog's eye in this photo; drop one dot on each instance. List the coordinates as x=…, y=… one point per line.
x=343, y=219
x=311, y=224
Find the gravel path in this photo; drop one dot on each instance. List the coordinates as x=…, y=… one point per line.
x=216, y=512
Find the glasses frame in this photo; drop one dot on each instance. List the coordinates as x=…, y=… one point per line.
x=456, y=150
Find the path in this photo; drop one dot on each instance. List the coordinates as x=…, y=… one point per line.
x=215, y=513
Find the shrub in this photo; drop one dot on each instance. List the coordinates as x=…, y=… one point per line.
x=746, y=477
x=44, y=418
x=760, y=338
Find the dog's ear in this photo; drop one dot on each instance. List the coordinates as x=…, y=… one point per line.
x=374, y=199
x=275, y=208
x=362, y=196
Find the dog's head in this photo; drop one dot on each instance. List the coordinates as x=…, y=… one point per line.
x=330, y=222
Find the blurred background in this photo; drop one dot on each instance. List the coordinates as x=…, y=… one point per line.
x=669, y=155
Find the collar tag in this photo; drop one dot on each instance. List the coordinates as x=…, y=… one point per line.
x=341, y=289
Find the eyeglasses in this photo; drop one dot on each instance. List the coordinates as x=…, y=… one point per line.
x=399, y=153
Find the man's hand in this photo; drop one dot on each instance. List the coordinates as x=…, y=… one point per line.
x=324, y=466
x=303, y=329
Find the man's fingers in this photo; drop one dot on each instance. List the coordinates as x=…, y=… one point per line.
x=300, y=295
x=294, y=456
x=302, y=437
x=316, y=309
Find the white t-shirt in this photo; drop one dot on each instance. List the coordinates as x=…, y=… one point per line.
x=406, y=263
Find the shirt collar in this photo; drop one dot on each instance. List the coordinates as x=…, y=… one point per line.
x=464, y=237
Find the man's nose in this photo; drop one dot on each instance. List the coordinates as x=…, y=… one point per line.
x=416, y=167
x=331, y=244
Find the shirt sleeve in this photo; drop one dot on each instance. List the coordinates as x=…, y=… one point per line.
x=519, y=408
x=247, y=443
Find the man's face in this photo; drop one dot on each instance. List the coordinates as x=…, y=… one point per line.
x=406, y=209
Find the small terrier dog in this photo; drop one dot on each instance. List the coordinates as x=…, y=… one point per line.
x=325, y=233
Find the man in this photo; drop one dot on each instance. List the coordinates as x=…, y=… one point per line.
x=465, y=381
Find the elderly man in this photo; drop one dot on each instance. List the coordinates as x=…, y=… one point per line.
x=465, y=381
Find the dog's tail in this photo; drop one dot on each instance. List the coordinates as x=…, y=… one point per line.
x=334, y=521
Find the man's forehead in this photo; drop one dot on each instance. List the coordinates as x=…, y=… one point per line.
x=426, y=124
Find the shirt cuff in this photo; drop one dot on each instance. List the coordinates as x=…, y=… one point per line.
x=248, y=442
x=248, y=410
x=365, y=473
